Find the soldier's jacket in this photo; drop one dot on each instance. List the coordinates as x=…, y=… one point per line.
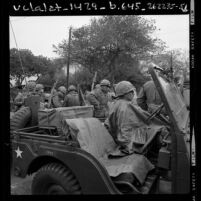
x=148, y=96
x=43, y=104
x=71, y=99
x=56, y=101
x=100, y=102
x=111, y=96
x=126, y=124
x=19, y=100
x=42, y=97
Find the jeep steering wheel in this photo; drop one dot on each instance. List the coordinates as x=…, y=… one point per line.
x=156, y=112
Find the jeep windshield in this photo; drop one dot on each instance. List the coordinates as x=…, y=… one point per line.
x=172, y=100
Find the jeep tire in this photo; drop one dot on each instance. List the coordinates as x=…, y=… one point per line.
x=21, y=118
x=55, y=178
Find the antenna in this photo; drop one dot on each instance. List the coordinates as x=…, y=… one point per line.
x=68, y=60
x=18, y=51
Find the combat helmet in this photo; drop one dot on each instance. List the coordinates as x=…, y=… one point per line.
x=72, y=88
x=105, y=82
x=39, y=87
x=62, y=89
x=30, y=86
x=123, y=88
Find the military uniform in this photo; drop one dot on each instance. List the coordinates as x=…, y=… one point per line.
x=126, y=121
x=42, y=97
x=99, y=100
x=148, y=97
x=111, y=96
x=56, y=100
x=39, y=90
x=121, y=124
x=58, y=97
x=71, y=99
x=19, y=100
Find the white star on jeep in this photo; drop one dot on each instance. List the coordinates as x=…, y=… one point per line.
x=19, y=153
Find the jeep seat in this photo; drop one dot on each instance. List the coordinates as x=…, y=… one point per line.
x=94, y=138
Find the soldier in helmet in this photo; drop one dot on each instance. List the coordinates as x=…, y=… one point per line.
x=123, y=121
x=58, y=97
x=148, y=98
x=99, y=99
x=97, y=86
x=111, y=93
x=39, y=89
x=29, y=90
x=72, y=98
x=127, y=122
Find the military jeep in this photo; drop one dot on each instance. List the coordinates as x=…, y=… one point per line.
x=70, y=154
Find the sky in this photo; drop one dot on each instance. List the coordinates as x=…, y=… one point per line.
x=38, y=34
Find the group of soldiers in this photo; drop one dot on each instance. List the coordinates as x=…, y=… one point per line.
x=119, y=108
x=116, y=105
x=59, y=98
x=101, y=97
x=62, y=97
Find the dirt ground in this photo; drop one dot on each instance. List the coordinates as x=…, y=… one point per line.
x=21, y=186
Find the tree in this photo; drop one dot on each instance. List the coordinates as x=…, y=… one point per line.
x=82, y=76
x=177, y=59
x=112, y=46
x=31, y=65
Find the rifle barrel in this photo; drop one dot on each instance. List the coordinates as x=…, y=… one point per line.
x=51, y=94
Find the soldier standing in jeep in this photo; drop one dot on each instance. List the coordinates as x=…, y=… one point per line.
x=72, y=98
x=58, y=97
x=39, y=89
x=99, y=99
x=29, y=90
x=148, y=98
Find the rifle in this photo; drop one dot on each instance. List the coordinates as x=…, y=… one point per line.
x=94, y=80
x=51, y=94
x=81, y=96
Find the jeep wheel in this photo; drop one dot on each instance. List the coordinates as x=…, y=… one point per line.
x=55, y=178
x=20, y=119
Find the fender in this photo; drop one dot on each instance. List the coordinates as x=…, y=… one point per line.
x=92, y=176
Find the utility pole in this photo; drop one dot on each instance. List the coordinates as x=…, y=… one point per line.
x=68, y=60
x=171, y=67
